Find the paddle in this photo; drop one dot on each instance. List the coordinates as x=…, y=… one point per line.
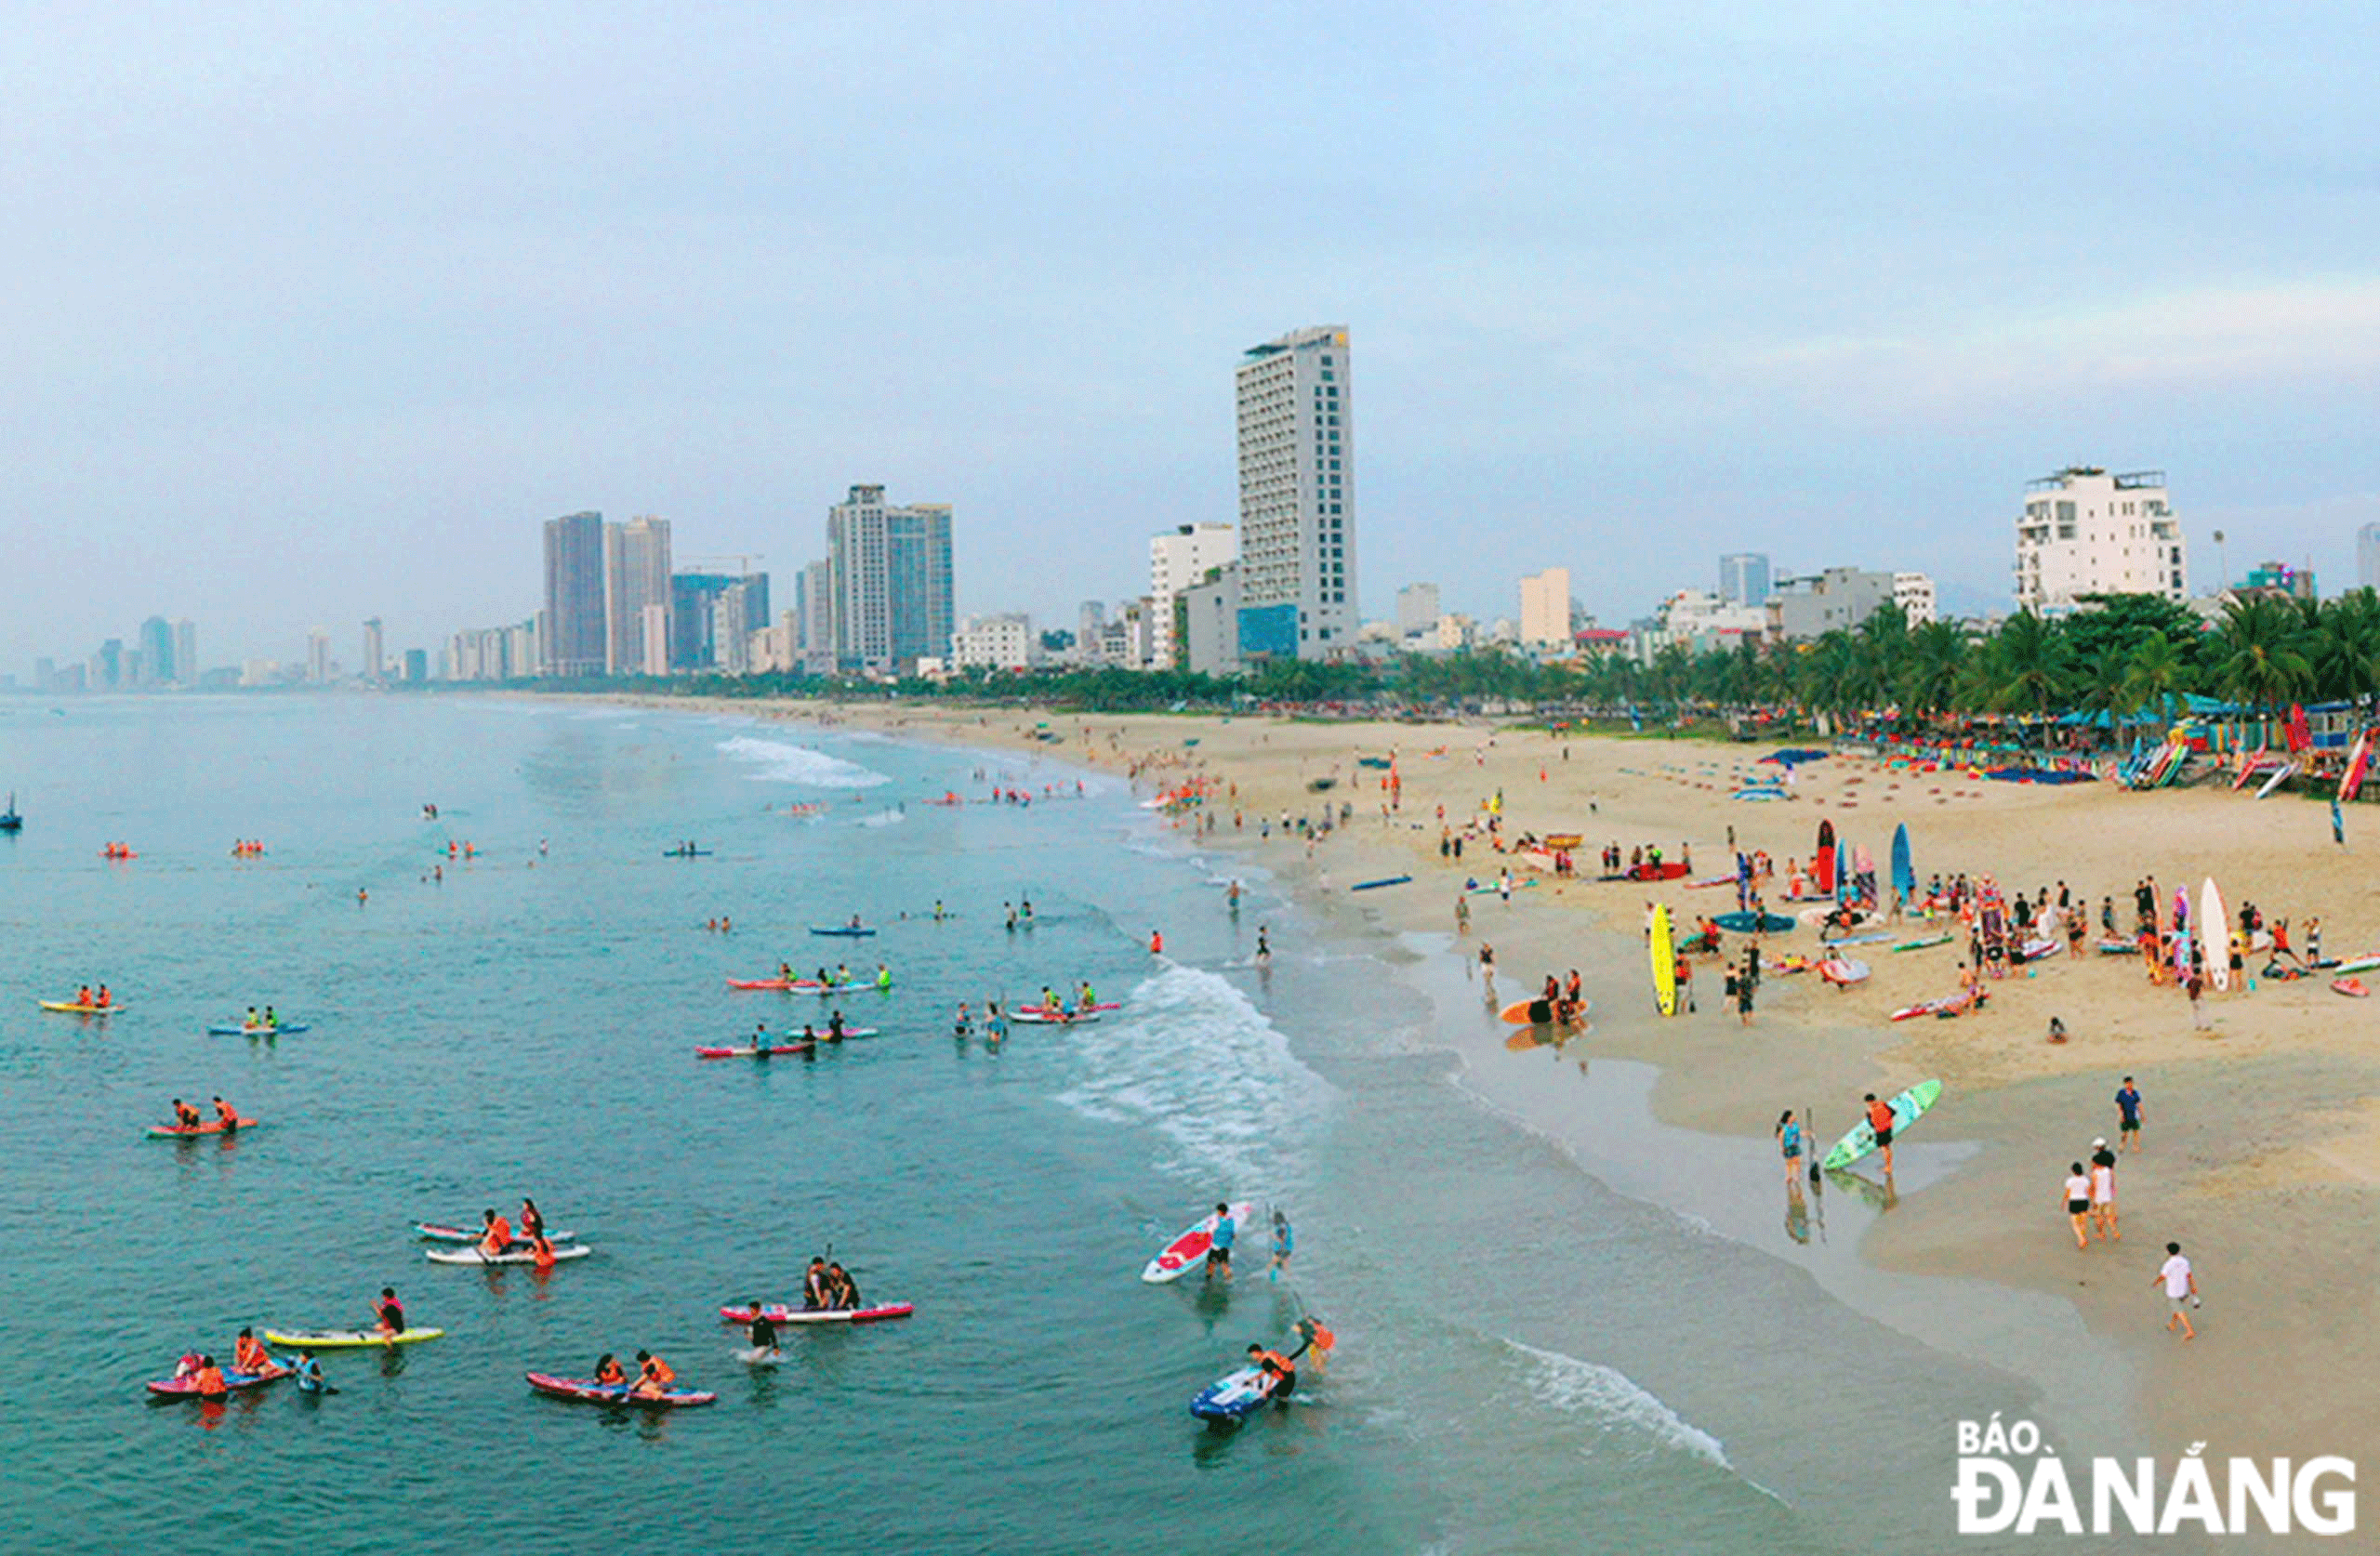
x=1810, y=1143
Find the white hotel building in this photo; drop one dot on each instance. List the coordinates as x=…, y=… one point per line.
x=2085, y=531
x=1178, y=560
x=1296, y=497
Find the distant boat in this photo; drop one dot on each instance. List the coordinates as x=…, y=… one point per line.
x=9, y=820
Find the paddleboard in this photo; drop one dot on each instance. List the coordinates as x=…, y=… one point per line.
x=1908, y=1108
x=1376, y=885
x=1843, y=969
x=779, y=984
x=70, y=1008
x=1230, y=1397
x=347, y=1339
x=1745, y=923
x=839, y=930
x=2217, y=926
x=1188, y=1251
x=213, y=1127
x=510, y=1256
x=2365, y=963
x=1921, y=943
x=1904, y=866
x=771, y=1052
x=587, y=1391
x=436, y=1233
x=1664, y=958
x=186, y=1388
x=2286, y=772
x=1031, y=1017
x=1537, y=1012
x=2349, y=987
x=778, y=1313
x=235, y=1030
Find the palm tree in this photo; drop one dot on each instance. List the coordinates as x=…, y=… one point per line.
x=2157, y=673
x=2105, y=686
x=2263, y=660
x=2347, y=646
x=2028, y=666
x=1930, y=667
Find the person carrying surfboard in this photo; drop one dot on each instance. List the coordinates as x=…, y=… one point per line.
x=1879, y=1119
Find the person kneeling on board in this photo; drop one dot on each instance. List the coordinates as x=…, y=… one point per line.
x=842, y=1292
x=653, y=1378
x=495, y=1234
x=815, y=1293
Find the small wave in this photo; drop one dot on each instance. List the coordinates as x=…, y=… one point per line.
x=1190, y=1056
x=1568, y=1384
x=885, y=818
x=784, y=763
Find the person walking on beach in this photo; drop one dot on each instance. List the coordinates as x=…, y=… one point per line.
x=1789, y=1145
x=1879, y=1119
x=2181, y=1289
x=2198, y=1019
x=2128, y=1108
x=2078, y=1205
x=2103, y=1190
x=1743, y=982
x=1685, y=981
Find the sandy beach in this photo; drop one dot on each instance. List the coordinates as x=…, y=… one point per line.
x=2262, y=1150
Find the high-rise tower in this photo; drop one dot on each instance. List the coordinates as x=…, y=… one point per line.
x=1296, y=497
x=573, y=633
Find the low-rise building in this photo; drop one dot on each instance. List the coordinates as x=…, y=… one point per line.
x=2084, y=531
x=1835, y=600
x=1004, y=641
x=1206, y=618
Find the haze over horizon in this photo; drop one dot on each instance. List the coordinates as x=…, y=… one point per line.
x=315, y=314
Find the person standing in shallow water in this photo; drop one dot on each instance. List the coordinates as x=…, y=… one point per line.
x=1789, y=1144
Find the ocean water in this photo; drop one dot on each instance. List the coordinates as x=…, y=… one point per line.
x=1531, y=1358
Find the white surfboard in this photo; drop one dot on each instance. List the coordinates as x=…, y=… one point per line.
x=2216, y=925
x=1189, y=1251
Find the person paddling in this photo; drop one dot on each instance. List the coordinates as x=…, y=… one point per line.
x=495, y=1234
x=249, y=1355
x=654, y=1376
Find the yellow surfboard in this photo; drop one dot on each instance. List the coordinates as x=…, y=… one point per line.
x=1664, y=964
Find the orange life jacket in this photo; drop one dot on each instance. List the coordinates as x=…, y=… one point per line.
x=498, y=1234
x=208, y=1381
x=1880, y=1116
x=250, y=1356
x=610, y=1373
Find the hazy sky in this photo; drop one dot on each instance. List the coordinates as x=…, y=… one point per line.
x=314, y=312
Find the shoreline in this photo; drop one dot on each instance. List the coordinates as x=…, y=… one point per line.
x=2259, y=1150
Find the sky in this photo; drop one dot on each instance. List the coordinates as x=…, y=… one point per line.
x=313, y=312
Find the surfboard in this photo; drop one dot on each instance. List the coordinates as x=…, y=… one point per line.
x=1189, y=1251
x=1904, y=866
x=1841, y=872
x=1664, y=964
x=1908, y=1108
x=2282, y=775
x=2217, y=925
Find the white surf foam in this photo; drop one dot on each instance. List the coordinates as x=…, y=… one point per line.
x=781, y=762
x=1190, y=1058
x=1611, y=1397
x=884, y=818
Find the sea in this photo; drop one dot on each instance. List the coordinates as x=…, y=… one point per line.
x=1562, y=1325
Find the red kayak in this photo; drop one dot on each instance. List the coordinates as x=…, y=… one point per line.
x=178, y=1131
x=186, y=1388
x=592, y=1392
x=754, y=1053
x=777, y=1312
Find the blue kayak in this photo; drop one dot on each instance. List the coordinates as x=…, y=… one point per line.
x=232, y=1029
x=1228, y=1399
x=841, y=930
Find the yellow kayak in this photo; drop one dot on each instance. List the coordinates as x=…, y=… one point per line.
x=74, y=1010
x=343, y=1339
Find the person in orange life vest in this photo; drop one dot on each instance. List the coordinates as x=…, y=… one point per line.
x=1880, y=1119
x=225, y=1114
x=185, y=1117
x=1157, y=943
x=208, y=1382
x=1314, y=1337
x=105, y=998
x=82, y=995
x=607, y=1372
x=541, y=1252
x=1280, y=1377
x=496, y=1235
x=653, y=1376
x=249, y=1355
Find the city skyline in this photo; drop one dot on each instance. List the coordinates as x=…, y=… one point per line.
x=473, y=321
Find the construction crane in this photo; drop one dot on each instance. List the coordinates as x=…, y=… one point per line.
x=743, y=561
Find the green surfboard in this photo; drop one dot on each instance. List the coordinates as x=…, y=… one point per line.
x=1908, y=1108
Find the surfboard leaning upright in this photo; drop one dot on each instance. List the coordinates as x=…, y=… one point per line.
x=1664, y=964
